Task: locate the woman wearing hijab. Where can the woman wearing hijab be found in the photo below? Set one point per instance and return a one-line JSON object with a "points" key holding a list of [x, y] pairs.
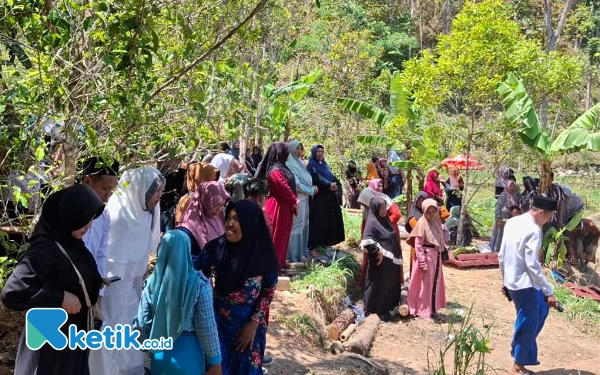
{"points": [[282, 203], [326, 221], [134, 234], [197, 173], [375, 189], [427, 292], [380, 243], [48, 276], [372, 172], [506, 200], [415, 213], [257, 156], [305, 189], [177, 302], [454, 187], [203, 220], [245, 268], [353, 179], [502, 180], [432, 185]]}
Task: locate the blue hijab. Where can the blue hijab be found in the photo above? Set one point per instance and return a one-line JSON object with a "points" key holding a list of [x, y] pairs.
{"points": [[319, 167], [173, 286]]}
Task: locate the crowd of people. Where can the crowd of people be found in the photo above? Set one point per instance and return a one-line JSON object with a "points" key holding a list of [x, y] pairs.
{"points": [[233, 227], [218, 258]]}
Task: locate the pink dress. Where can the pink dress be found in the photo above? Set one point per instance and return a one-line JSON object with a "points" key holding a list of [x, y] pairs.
{"points": [[421, 301], [279, 207]]}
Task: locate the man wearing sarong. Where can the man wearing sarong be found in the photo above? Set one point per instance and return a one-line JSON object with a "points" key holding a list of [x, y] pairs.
{"points": [[522, 276]]}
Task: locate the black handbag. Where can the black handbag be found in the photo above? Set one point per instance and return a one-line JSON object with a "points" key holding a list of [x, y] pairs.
{"points": [[445, 255]]}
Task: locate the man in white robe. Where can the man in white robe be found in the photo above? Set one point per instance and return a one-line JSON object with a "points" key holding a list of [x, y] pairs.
{"points": [[102, 178], [524, 282]]}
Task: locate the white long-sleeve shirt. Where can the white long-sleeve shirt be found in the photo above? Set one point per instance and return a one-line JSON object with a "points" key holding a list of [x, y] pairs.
{"points": [[96, 240], [518, 255]]}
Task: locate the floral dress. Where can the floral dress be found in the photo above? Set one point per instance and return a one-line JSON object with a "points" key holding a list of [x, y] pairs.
{"points": [[233, 312]]}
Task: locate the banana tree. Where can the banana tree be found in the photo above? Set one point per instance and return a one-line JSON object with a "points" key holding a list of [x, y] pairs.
{"points": [[402, 114], [558, 239], [582, 134]]}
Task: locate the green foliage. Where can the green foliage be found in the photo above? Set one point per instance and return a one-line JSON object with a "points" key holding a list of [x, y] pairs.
{"points": [[469, 346], [352, 224], [578, 309], [329, 282], [558, 239], [301, 323]]}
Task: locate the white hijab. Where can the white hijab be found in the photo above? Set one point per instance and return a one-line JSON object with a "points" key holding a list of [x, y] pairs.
{"points": [[221, 161], [134, 230]]}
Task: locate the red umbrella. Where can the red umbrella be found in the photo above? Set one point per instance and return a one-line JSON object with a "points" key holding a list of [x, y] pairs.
{"points": [[461, 161]]}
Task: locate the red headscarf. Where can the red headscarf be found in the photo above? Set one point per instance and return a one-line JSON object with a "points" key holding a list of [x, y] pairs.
{"points": [[432, 187]]}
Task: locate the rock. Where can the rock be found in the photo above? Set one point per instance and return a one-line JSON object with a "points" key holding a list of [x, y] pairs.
{"points": [[283, 284]]}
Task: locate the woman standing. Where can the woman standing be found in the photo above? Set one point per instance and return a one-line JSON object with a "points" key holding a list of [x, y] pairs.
{"points": [[375, 189], [305, 189], [380, 242], [48, 276], [427, 292], [196, 174], [502, 180], [353, 179], [282, 203], [245, 269], [432, 186], [134, 234], [177, 303], [508, 199], [203, 220], [326, 221]]}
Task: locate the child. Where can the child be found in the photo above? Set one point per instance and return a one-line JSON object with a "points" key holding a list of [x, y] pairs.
{"points": [[515, 211]]}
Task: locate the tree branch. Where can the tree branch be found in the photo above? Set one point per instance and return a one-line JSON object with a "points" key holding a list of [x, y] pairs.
{"points": [[206, 54], [562, 21]]}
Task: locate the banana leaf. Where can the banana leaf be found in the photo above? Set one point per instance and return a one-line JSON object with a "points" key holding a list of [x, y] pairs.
{"points": [[582, 134], [367, 110], [562, 253]]}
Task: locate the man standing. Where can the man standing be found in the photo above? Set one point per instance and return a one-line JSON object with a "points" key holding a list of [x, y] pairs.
{"points": [[102, 178], [523, 279]]}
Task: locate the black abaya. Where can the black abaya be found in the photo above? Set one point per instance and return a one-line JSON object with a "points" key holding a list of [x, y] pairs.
{"points": [[383, 287], [326, 224], [44, 274]]}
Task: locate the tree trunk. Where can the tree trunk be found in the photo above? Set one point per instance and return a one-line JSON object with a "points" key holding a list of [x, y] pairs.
{"points": [[364, 336], [545, 170], [460, 240], [340, 324], [408, 190], [588, 88], [347, 333]]}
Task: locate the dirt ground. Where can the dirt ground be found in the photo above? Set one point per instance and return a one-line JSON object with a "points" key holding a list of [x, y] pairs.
{"points": [[566, 347], [401, 347]]}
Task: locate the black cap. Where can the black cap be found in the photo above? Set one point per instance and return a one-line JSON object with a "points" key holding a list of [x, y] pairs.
{"points": [[544, 203], [99, 167]]}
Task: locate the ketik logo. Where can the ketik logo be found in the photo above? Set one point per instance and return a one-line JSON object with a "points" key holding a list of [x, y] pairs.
{"points": [[43, 326]]}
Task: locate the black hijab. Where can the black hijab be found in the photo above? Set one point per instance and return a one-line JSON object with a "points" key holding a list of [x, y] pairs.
{"points": [[380, 229], [254, 255], [275, 159], [66, 211]]}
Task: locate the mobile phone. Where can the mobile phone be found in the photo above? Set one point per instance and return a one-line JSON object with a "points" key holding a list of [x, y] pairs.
{"points": [[113, 279]]}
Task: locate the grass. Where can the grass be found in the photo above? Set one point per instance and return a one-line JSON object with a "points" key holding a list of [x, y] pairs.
{"points": [[578, 309], [352, 223], [301, 323], [327, 286]]}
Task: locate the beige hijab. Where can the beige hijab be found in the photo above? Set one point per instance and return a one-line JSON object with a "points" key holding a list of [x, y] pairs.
{"points": [[430, 230]]}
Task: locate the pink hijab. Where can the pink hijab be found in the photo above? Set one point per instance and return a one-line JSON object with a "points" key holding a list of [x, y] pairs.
{"points": [[195, 219]]}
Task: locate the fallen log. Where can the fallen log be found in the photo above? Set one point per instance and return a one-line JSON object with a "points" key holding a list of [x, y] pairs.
{"points": [[364, 336], [337, 347], [403, 307], [348, 332], [339, 324]]}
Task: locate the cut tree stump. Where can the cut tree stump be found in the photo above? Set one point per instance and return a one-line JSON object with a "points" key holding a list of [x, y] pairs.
{"points": [[347, 332], [339, 324], [364, 336]]}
